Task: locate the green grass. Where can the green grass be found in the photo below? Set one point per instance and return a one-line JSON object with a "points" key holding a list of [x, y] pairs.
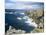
{"points": [[38, 30]]}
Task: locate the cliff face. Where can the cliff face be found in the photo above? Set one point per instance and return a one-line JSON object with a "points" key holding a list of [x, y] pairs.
{"points": [[38, 12], [37, 16]]}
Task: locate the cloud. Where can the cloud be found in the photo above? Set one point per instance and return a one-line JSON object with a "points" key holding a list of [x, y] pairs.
{"points": [[20, 6], [26, 0], [10, 6], [13, 4]]}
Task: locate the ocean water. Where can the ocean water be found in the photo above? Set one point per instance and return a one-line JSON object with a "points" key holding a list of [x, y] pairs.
{"points": [[18, 20]]}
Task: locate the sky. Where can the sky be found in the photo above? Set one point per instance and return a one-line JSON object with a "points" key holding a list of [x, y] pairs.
{"points": [[16, 4]]}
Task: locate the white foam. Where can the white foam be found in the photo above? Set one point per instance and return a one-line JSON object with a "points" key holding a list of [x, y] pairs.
{"points": [[19, 18], [29, 22], [24, 17], [22, 13], [10, 12]]}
